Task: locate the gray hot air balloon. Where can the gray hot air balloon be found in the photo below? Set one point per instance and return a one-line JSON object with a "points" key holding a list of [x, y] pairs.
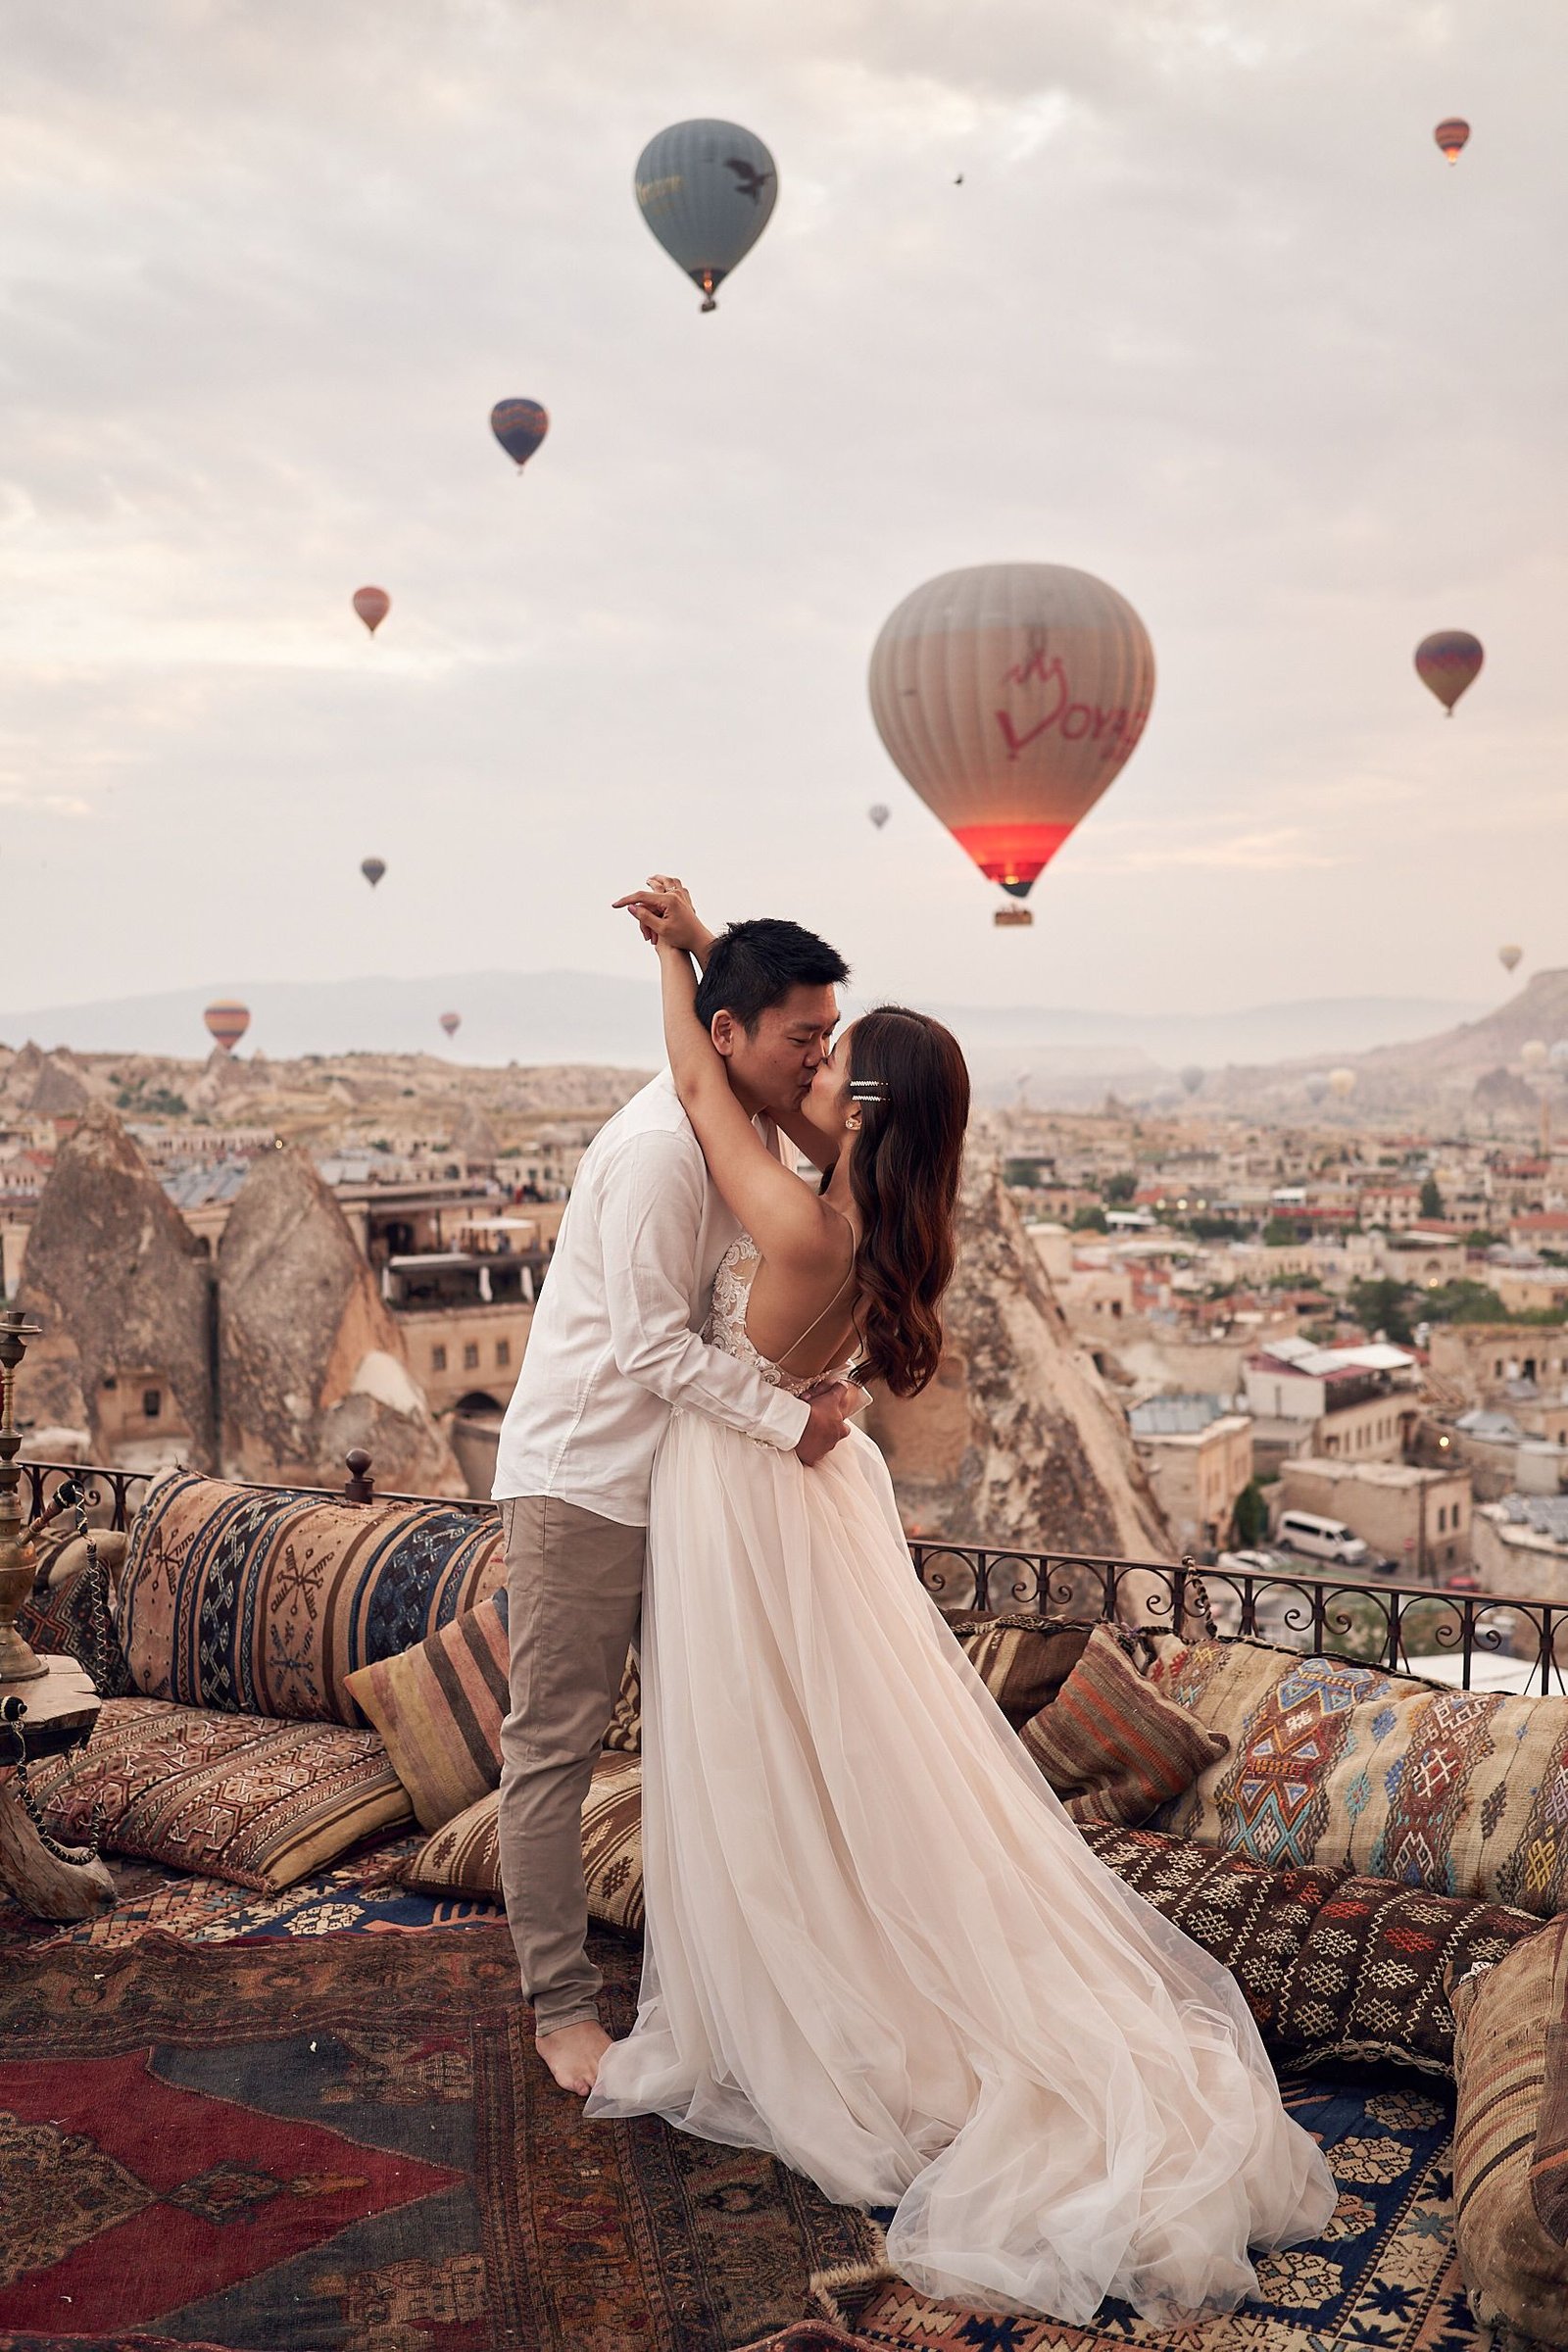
{"points": [[706, 190], [1191, 1077]]}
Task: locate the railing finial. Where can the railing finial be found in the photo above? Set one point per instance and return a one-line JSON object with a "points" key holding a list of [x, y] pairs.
{"points": [[358, 1485]]}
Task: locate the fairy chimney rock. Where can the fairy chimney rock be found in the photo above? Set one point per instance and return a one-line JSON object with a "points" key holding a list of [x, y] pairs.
{"points": [[59, 1091], [310, 1363], [121, 1286], [1018, 1439]]}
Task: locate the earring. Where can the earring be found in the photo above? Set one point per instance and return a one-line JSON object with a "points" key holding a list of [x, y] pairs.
{"points": [[852, 1126]]}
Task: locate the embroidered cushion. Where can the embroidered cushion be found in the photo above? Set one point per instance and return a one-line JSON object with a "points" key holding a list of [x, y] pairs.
{"points": [[1023, 1660], [625, 1733], [1110, 1744], [1253, 1919], [1370, 1983], [230, 1796], [1463, 1792], [440, 1707], [75, 1616], [1511, 2138], [241, 1599], [464, 1856]]}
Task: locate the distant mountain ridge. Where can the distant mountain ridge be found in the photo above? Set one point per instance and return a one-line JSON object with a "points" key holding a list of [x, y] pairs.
{"points": [[559, 1017]]}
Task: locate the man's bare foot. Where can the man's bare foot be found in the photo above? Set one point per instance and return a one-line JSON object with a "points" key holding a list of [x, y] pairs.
{"points": [[572, 2054]]}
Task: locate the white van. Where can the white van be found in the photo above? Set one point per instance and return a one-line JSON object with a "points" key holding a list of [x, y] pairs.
{"points": [[1316, 1538]]}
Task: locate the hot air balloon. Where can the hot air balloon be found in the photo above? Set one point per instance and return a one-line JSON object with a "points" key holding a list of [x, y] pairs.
{"points": [[452, 1023], [1559, 1051], [1342, 1083], [879, 813], [1448, 663], [372, 869], [519, 425], [1014, 918], [372, 605], [1011, 694], [1451, 134], [226, 1022], [1192, 1078], [1533, 1053], [705, 189], [1508, 957], [1317, 1086]]}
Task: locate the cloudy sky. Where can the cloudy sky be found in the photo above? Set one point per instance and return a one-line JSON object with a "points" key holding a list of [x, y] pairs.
{"points": [[1208, 317]]}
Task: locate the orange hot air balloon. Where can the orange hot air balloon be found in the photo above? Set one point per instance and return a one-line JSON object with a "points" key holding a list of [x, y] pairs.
{"points": [[452, 1023], [372, 605], [1446, 663], [1451, 134], [1011, 694], [226, 1022]]}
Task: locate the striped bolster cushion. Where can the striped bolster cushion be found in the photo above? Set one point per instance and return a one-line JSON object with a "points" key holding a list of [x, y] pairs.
{"points": [[1110, 1745], [1510, 2137], [439, 1708], [465, 1857]]}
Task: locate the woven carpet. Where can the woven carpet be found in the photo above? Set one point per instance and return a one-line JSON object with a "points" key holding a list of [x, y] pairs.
{"points": [[1383, 2275], [287, 2144]]}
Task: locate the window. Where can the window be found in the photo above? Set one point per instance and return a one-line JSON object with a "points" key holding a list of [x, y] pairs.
{"points": [[503, 1351], [471, 1355], [438, 1360], [152, 1403]]}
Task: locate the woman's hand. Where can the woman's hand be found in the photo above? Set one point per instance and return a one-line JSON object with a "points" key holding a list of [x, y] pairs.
{"points": [[662, 909]]}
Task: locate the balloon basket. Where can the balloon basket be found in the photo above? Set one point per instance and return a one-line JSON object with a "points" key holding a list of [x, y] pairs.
{"points": [[1014, 918]]}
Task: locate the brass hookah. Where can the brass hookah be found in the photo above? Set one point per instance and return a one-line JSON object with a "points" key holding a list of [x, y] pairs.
{"points": [[19, 1662]]}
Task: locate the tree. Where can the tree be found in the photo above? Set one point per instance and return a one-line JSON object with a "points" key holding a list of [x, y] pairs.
{"points": [[1431, 1197], [1251, 1516], [1120, 1188], [1086, 1220], [1281, 1233], [1384, 1305]]}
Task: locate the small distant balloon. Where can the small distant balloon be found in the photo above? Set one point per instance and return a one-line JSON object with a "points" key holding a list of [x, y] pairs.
{"points": [[1508, 957], [879, 813], [1559, 1051], [226, 1022], [1191, 1077], [452, 1023], [1446, 663], [1342, 1083], [372, 869], [519, 425], [372, 605], [1317, 1086], [1452, 136], [1533, 1053], [706, 190]]}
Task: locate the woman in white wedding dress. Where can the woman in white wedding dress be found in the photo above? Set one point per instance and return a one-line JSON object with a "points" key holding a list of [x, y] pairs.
{"points": [[877, 1943]]}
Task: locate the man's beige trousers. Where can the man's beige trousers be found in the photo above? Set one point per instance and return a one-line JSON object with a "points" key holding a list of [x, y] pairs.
{"points": [[574, 1585]]}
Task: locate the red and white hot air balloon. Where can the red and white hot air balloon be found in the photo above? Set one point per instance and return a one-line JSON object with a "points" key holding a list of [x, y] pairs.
{"points": [[372, 605], [226, 1022], [1011, 694]]}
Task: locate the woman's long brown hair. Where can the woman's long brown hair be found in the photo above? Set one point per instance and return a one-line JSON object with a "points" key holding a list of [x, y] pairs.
{"points": [[905, 1178]]}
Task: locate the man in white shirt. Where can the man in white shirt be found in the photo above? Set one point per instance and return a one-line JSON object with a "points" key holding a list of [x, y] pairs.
{"points": [[613, 1349]]}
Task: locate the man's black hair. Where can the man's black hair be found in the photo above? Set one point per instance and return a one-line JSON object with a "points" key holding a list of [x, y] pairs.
{"points": [[755, 965]]}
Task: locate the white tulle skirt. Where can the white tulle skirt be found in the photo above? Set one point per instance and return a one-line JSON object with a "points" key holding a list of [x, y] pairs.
{"points": [[878, 1947]]}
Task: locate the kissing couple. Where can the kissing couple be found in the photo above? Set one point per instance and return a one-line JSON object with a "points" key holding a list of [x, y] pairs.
{"points": [[877, 1945]]}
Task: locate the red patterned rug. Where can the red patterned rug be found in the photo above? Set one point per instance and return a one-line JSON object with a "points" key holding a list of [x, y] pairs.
{"points": [[347, 2140]]}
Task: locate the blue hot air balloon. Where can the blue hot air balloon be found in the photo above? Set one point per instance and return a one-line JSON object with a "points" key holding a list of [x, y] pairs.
{"points": [[706, 190], [519, 425]]}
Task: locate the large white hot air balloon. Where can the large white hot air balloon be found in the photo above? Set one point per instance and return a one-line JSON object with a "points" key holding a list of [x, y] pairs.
{"points": [[1342, 1083], [1011, 694], [1533, 1053]]}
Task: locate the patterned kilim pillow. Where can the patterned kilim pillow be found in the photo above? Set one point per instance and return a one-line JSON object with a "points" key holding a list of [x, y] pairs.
{"points": [[1511, 2138], [230, 1796], [235, 1597], [1253, 1919], [1110, 1744], [625, 1733], [465, 1857], [440, 1708], [1022, 1660], [1460, 1791], [1370, 1980], [75, 1619]]}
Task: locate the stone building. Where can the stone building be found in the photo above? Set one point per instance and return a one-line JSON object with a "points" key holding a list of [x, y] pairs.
{"points": [[1419, 1519], [1197, 1455]]}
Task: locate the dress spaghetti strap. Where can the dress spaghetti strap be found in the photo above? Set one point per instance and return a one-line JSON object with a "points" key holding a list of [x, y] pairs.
{"points": [[849, 1274]]}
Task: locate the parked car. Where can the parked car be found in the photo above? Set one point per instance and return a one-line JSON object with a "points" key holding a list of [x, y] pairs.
{"points": [[1312, 1537]]}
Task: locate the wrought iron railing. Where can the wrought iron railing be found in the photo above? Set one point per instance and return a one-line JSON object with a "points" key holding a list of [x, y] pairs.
{"points": [[1371, 1623]]}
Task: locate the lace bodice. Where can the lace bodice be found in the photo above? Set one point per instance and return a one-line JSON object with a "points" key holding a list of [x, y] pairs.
{"points": [[726, 1317]]}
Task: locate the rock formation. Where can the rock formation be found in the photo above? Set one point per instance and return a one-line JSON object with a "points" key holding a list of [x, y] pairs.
{"points": [[1018, 1440], [310, 1363], [1500, 1094], [120, 1287], [474, 1140], [59, 1091]]}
